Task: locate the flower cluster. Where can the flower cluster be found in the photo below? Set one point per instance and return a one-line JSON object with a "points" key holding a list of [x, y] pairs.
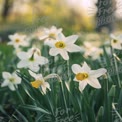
{"points": [[32, 60]]}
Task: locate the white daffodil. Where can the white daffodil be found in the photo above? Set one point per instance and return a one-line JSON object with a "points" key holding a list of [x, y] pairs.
{"points": [[10, 80], [50, 34], [92, 51], [39, 82], [63, 45], [116, 41], [31, 59], [18, 40], [84, 75]]}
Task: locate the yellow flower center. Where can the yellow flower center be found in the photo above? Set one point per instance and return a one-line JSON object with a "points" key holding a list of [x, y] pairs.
{"points": [[81, 76], [17, 40], [36, 83], [52, 35], [12, 80], [60, 44], [115, 41]]}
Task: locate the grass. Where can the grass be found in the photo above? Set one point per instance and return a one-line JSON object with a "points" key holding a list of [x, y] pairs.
{"points": [[27, 104]]}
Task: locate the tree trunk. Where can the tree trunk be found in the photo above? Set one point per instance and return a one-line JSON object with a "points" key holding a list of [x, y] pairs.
{"points": [[105, 15], [6, 8]]}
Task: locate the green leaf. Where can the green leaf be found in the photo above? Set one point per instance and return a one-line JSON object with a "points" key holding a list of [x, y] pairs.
{"points": [[32, 107]]}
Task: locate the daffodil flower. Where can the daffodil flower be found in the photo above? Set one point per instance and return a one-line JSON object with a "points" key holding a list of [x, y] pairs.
{"points": [[18, 40], [31, 59], [39, 82], [116, 41], [92, 51], [10, 80], [63, 45], [84, 75], [50, 34]]}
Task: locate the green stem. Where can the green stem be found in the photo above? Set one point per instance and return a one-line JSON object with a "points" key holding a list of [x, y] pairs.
{"points": [[68, 71], [64, 99], [116, 67]]}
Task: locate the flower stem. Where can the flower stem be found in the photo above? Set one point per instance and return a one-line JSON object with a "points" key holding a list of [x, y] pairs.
{"points": [[117, 72], [64, 98]]}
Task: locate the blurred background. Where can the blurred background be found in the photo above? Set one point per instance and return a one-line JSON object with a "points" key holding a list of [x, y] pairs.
{"points": [[74, 16]]}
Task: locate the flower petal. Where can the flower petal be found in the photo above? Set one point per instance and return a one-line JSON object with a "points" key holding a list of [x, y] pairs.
{"points": [[97, 73], [64, 54], [61, 36], [85, 67], [22, 64], [71, 39], [76, 68], [82, 85], [43, 37], [17, 78], [34, 75], [45, 86], [42, 60], [53, 52], [6, 75], [73, 48], [94, 83], [12, 87], [5, 83], [22, 55], [34, 67]]}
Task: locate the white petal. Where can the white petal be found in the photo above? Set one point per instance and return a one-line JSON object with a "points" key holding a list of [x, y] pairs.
{"points": [[12, 87], [97, 73], [73, 48], [94, 83], [82, 85], [10, 43], [18, 80], [11, 37], [53, 28], [71, 39], [5, 83], [76, 68], [75, 79], [6, 75], [43, 37], [61, 36], [50, 42], [36, 76], [59, 30], [46, 84], [45, 87], [120, 37], [22, 64], [42, 60], [22, 55], [113, 36], [53, 52], [34, 67], [117, 45], [32, 74], [64, 54], [85, 67]]}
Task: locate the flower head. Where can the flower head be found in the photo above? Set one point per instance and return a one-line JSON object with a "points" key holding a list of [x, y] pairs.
{"points": [[18, 40], [31, 59], [84, 75], [63, 45], [10, 80], [116, 41], [39, 82], [50, 34], [92, 51]]}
